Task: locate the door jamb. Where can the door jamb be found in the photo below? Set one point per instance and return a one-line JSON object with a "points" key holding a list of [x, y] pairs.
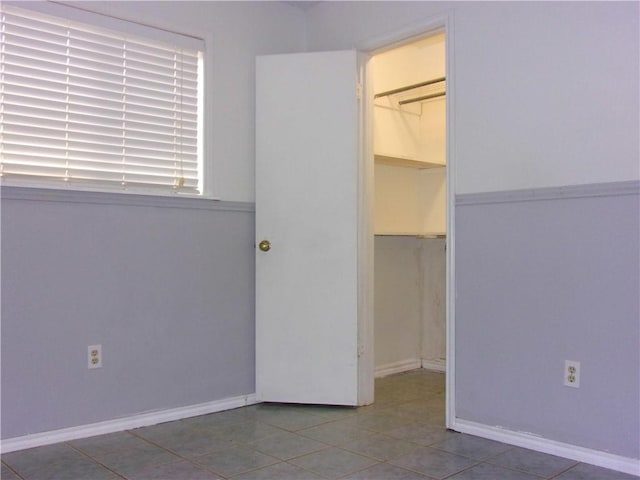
{"points": [[372, 46]]}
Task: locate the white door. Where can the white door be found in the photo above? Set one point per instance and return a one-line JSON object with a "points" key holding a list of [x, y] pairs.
{"points": [[308, 119]]}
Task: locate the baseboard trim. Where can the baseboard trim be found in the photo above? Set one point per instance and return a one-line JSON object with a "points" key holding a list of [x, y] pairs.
{"points": [[121, 424], [539, 444], [397, 367], [436, 365]]}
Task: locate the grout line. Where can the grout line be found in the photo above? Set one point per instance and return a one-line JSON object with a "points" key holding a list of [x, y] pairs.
{"points": [[564, 471], [181, 457], [94, 460], [6, 465]]}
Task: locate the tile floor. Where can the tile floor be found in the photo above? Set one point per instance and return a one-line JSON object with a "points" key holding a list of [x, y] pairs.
{"points": [[400, 437]]}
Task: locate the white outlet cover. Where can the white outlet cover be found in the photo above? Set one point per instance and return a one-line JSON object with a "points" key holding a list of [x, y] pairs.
{"points": [[572, 373], [94, 356]]}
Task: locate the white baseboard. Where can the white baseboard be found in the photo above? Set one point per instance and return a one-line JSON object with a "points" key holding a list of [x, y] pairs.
{"points": [[126, 423], [397, 367], [539, 444], [435, 364]]}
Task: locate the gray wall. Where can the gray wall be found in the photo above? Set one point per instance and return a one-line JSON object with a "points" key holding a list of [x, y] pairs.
{"points": [[538, 283], [434, 301], [398, 290], [166, 291], [409, 309]]}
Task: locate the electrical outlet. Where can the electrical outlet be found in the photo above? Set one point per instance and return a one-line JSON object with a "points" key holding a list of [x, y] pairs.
{"points": [[95, 356], [572, 373]]}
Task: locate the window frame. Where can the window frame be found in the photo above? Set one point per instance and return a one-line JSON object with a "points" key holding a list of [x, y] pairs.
{"points": [[101, 21]]}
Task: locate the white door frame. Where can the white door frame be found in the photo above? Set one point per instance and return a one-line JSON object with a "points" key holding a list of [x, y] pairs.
{"points": [[372, 46]]}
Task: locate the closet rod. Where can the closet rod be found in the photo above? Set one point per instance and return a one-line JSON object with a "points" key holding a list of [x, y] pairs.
{"points": [[409, 87], [420, 99]]}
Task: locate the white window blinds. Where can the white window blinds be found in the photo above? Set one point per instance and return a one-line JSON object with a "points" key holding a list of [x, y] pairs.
{"points": [[91, 108]]}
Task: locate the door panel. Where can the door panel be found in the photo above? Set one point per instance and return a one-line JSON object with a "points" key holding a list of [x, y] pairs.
{"points": [[307, 157]]}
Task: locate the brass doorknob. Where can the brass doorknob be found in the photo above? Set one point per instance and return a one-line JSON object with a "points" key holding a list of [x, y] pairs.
{"points": [[264, 245]]}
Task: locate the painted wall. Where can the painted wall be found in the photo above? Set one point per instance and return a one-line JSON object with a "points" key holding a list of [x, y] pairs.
{"points": [[433, 128], [406, 65], [410, 272], [168, 292], [397, 207], [433, 347], [432, 197], [164, 290], [531, 109], [398, 300], [539, 282], [409, 301], [411, 201]]}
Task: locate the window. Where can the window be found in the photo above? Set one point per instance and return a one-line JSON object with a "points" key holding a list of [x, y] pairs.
{"points": [[93, 108]]}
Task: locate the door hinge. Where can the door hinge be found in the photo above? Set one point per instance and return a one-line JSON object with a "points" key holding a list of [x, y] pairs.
{"points": [[360, 350], [359, 91]]}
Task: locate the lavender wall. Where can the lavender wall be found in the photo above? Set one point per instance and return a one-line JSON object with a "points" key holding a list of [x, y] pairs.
{"points": [[166, 291], [544, 281]]}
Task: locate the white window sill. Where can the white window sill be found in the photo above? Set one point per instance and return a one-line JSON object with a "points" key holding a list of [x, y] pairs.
{"points": [[128, 199]]}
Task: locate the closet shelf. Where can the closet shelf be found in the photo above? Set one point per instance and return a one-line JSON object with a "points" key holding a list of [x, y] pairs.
{"points": [[400, 161], [428, 235]]}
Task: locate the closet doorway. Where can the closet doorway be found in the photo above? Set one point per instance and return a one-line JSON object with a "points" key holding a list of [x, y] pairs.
{"points": [[410, 210]]}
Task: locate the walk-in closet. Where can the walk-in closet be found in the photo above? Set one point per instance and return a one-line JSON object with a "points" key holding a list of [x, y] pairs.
{"points": [[410, 206]]}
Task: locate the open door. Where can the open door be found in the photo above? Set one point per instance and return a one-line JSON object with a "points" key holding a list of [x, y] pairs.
{"points": [[308, 201]]}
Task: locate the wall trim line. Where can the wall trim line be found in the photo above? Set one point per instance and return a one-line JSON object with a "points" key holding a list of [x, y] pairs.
{"points": [[125, 423], [609, 189], [121, 198], [552, 447]]}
